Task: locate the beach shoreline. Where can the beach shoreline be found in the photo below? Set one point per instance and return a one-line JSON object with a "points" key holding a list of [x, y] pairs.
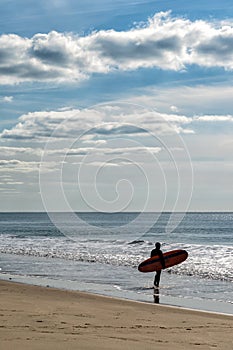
{"points": [[143, 294], [33, 317]]}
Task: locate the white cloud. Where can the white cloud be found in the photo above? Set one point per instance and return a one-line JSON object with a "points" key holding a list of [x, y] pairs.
{"points": [[192, 100], [163, 42], [94, 125], [11, 183], [41, 124], [7, 99], [174, 109], [101, 121], [18, 165], [6, 151], [214, 118], [130, 125]]}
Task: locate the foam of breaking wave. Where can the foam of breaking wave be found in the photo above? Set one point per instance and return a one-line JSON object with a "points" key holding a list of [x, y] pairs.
{"points": [[205, 261]]}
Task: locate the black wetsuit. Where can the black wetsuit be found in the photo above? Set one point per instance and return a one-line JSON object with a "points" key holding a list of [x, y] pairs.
{"points": [[158, 273]]}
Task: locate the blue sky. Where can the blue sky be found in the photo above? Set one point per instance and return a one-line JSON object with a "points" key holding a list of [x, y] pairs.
{"points": [[162, 67]]}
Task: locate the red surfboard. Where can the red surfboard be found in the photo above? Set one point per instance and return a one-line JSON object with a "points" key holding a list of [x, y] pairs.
{"points": [[174, 257]]}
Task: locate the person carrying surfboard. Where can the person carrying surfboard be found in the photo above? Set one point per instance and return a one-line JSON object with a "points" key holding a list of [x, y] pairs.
{"points": [[158, 251]]}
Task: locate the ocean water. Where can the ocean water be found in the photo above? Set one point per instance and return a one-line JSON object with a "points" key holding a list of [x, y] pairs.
{"points": [[100, 253]]}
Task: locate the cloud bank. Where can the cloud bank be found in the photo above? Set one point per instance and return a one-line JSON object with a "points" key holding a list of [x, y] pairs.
{"points": [[163, 42], [94, 124]]}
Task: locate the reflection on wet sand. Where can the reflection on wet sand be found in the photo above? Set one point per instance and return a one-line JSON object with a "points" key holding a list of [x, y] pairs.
{"points": [[156, 295]]}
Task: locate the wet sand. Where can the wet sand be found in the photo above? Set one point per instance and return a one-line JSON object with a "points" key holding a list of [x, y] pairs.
{"points": [[33, 317]]}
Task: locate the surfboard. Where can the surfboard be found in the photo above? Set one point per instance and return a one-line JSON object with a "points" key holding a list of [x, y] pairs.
{"points": [[174, 257]]}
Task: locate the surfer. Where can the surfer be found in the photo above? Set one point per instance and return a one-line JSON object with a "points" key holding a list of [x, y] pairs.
{"points": [[158, 251]]}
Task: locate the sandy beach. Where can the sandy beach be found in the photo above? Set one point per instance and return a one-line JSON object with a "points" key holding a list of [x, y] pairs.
{"points": [[34, 317]]}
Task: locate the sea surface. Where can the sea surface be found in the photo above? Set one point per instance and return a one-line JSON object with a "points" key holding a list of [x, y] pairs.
{"points": [[100, 253]]}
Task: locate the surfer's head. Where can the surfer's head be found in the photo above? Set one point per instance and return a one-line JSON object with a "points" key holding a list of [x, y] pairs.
{"points": [[157, 245]]}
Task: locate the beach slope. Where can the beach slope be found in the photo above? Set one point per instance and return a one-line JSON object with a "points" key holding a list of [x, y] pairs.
{"points": [[44, 318]]}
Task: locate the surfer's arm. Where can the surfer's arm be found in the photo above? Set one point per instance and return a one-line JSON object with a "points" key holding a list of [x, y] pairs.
{"points": [[153, 253], [162, 259]]}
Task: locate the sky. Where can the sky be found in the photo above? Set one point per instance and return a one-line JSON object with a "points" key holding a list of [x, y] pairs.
{"points": [[116, 105]]}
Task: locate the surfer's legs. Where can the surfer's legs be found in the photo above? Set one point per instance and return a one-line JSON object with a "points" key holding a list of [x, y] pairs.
{"points": [[157, 278], [156, 295]]}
